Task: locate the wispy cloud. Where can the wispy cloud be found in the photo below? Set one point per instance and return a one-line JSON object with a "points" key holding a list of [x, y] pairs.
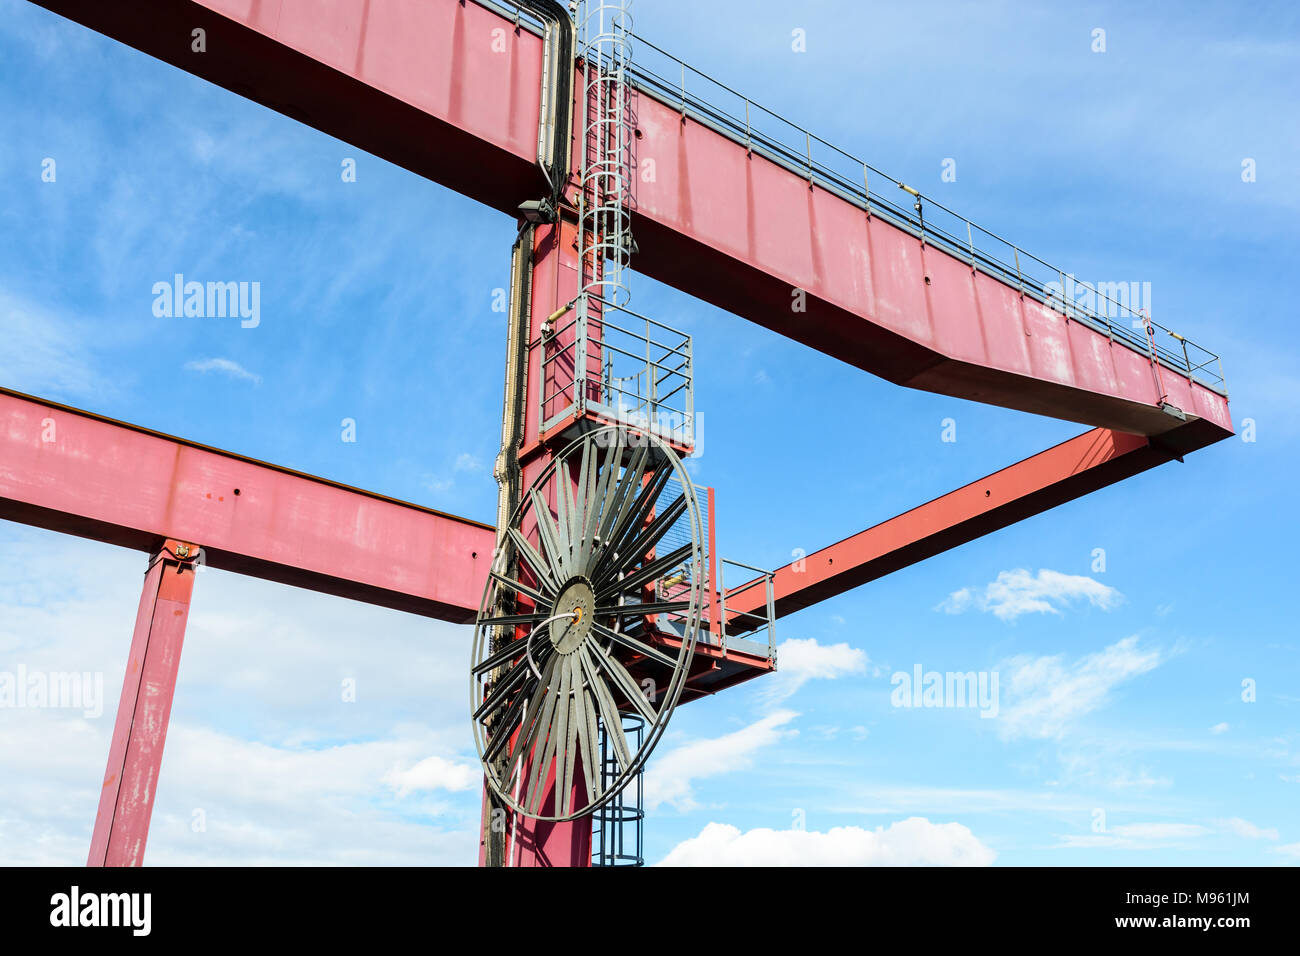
{"points": [[45, 351], [1244, 828], [670, 776], [1018, 592], [1046, 695], [225, 367], [1136, 836]]}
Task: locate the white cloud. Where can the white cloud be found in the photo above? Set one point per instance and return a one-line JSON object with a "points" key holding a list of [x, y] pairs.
{"points": [[1244, 828], [283, 768], [911, 842], [1018, 592], [800, 660], [1221, 728], [225, 367], [45, 352], [1159, 831], [433, 773], [1135, 836], [1046, 696], [1289, 849], [669, 776], [1139, 780], [911, 799]]}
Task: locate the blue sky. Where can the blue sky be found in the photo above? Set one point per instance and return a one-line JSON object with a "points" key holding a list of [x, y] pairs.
{"points": [[1124, 696]]}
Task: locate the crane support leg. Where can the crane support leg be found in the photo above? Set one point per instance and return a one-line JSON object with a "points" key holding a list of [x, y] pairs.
{"points": [[135, 754]]}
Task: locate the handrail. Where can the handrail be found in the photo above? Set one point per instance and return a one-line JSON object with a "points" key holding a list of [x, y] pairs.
{"points": [[765, 621], [1050, 284], [857, 181]]}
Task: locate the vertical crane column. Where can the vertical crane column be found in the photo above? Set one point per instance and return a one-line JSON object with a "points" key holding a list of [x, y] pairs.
{"points": [[545, 281], [583, 252]]}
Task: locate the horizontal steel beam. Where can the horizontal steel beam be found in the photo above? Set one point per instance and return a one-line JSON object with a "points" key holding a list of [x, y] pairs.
{"points": [[71, 471], [1062, 473], [451, 90]]}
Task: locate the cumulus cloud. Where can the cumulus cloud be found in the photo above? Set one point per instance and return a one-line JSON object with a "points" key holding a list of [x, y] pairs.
{"points": [[1018, 592], [1046, 695], [911, 842], [225, 367], [1220, 728], [433, 773], [669, 776], [800, 660]]}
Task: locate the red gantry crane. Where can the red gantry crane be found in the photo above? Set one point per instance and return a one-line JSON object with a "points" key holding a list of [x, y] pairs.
{"points": [[599, 600]]}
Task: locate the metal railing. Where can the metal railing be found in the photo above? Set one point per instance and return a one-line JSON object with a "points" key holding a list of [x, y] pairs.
{"points": [[620, 366], [693, 93], [763, 131], [734, 626]]}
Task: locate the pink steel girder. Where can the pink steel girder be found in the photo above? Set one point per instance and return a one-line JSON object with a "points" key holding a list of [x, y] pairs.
{"points": [[1074, 468], [74, 472], [417, 82], [140, 730], [71, 471]]}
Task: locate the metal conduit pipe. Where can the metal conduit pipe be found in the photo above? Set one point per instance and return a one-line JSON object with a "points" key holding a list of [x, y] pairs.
{"points": [[557, 91], [506, 469]]}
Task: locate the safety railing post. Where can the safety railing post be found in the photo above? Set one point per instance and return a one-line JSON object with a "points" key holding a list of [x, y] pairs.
{"points": [[771, 617], [722, 611], [690, 393], [580, 356]]}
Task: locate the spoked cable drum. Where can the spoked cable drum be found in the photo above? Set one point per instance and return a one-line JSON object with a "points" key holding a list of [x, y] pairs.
{"points": [[584, 618]]}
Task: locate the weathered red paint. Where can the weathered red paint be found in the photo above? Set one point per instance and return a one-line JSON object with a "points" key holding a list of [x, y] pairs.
{"points": [[71, 471], [135, 754], [449, 90]]}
